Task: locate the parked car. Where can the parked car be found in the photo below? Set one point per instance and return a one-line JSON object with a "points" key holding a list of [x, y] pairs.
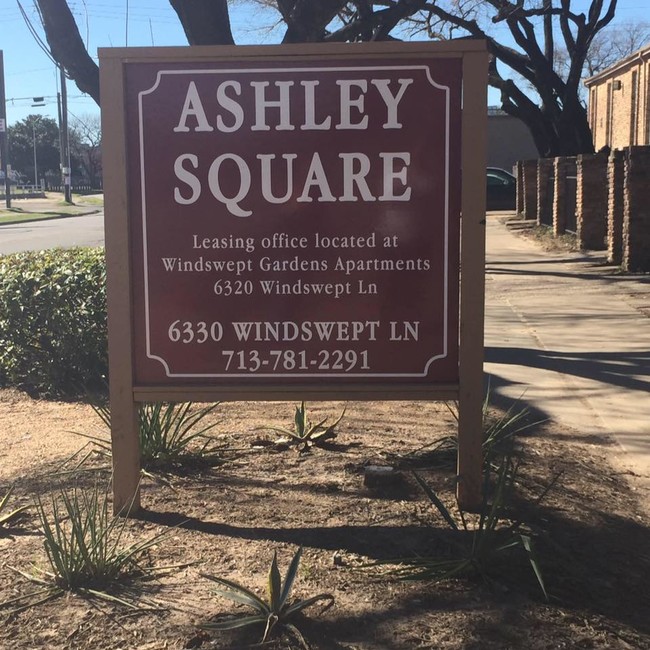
{"points": [[501, 189]]}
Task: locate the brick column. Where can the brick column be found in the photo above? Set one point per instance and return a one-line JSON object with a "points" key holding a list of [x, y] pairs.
{"points": [[530, 189], [615, 178], [592, 201], [519, 176], [636, 214], [544, 191], [559, 196]]}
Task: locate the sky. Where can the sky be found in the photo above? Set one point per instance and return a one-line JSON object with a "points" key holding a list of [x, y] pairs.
{"points": [[29, 73]]}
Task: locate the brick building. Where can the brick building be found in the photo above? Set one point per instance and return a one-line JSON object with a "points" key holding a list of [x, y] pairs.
{"points": [[619, 102], [508, 140]]}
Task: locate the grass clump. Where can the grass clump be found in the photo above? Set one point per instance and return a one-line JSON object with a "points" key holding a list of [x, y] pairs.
{"points": [[274, 614], [305, 434]]}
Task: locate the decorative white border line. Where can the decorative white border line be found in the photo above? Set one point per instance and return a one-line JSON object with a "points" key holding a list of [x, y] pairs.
{"points": [[164, 363]]}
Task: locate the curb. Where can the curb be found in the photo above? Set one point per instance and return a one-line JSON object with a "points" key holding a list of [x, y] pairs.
{"points": [[49, 218]]}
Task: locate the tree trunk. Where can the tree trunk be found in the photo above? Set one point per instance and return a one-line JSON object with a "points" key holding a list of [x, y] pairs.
{"points": [[307, 19], [205, 22]]}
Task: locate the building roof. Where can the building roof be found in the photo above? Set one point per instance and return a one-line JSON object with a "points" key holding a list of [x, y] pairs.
{"points": [[640, 55]]}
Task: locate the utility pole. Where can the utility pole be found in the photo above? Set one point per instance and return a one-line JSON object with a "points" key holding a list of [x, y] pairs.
{"points": [[3, 132], [36, 185], [65, 141]]}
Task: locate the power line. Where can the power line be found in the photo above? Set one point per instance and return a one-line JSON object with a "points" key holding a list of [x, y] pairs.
{"points": [[37, 38]]}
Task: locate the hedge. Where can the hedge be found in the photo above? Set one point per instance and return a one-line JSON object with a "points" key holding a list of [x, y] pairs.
{"points": [[53, 337]]}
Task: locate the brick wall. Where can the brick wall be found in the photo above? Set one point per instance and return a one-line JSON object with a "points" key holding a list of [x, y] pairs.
{"points": [[636, 213], [609, 209], [615, 178], [592, 195]]}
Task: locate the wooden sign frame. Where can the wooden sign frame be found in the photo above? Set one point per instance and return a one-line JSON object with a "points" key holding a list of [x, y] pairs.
{"points": [[126, 395]]}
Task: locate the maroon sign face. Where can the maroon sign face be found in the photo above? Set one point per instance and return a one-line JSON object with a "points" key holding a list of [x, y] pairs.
{"points": [[295, 221]]}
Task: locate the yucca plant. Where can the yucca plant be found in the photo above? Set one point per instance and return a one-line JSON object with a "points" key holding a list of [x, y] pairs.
{"points": [[498, 436], [499, 433], [306, 434], [175, 432], [273, 614], [170, 434], [478, 546], [86, 549], [9, 517]]}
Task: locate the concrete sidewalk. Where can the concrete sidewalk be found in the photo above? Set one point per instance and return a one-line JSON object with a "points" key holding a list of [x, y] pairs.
{"points": [[573, 336]]}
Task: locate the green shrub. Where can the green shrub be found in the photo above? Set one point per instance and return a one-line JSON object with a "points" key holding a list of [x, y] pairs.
{"points": [[53, 339]]}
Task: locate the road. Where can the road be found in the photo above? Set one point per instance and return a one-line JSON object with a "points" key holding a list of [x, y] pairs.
{"points": [[85, 230]]}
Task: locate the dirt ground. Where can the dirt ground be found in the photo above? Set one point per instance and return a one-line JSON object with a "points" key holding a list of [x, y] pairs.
{"points": [[591, 537]]}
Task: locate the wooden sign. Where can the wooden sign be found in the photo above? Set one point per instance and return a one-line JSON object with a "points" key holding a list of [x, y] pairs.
{"points": [[285, 222]]}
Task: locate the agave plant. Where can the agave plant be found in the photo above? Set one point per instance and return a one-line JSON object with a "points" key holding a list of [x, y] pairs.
{"points": [[7, 516], [306, 434], [272, 614]]}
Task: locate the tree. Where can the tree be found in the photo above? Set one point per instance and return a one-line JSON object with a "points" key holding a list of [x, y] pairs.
{"points": [[35, 132], [614, 44], [85, 146], [608, 47], [554, 113]]}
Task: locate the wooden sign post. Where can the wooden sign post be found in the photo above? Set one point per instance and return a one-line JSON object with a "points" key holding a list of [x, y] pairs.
{"points": [[284, 222]]}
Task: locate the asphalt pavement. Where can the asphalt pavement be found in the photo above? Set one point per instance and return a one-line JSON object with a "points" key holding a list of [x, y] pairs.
{"points": [[81, 224]]}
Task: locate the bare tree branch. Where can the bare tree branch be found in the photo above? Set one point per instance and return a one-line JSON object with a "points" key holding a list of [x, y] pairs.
{"points": [[559, 124]]}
